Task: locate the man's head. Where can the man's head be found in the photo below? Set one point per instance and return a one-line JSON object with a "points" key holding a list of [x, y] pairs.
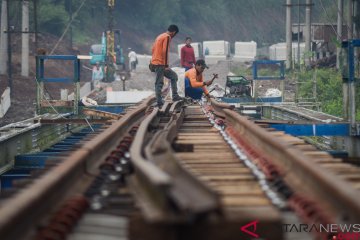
{"points": [[188, 41], [173, 30], [200, 65]]}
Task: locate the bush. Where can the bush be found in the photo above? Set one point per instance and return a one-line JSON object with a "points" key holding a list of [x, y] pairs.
{"points": [[329, 90], [52, 19]]}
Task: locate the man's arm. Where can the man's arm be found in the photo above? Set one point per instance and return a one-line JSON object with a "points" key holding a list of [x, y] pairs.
{"points": [[165, 50], [193, 82]]}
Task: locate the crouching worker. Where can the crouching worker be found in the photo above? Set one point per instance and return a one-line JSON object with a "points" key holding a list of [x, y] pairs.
{"points": [[195, 85]]}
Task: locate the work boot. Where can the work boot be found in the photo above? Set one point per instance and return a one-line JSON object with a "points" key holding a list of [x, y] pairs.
{"points": [[160, 104], [177, 98]]}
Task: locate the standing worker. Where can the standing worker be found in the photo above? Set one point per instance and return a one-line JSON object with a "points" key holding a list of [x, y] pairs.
{"points": [[97, 76], [187, 55], [195, 85], [132, 60], [160, 64]]}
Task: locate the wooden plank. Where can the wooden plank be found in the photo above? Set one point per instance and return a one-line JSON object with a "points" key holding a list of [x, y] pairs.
{"points": [[56, 103], [240, 191], [204, 130], [200, 137], [211, 161], [228, 177], [202, 141], [245, 201], [103, 114], [72, 121], [212, 165], [221, 171]]}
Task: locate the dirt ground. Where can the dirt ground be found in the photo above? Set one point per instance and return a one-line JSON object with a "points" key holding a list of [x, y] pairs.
{"points": [[24, 89]]}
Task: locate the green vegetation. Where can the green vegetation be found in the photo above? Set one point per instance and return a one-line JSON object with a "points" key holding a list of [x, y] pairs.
{"points": [[258, 20], [242, 71], [328, 90], [328, 87], [52, 19]]}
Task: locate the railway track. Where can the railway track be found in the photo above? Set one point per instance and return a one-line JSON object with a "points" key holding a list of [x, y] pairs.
{"points": [[50, 206], [185, 171]]}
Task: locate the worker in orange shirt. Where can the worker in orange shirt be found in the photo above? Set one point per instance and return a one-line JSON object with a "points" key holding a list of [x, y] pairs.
{"points": [[195, 85], [160, 64]]}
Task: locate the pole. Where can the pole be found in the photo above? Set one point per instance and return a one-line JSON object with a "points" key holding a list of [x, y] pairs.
{"points": [[35, 24], [308, 33], [339, 30], [298, 37], [70, 30], [9, 50], [288, 35], [25, 39], [351, 90], [3, 38], [350, 19]]}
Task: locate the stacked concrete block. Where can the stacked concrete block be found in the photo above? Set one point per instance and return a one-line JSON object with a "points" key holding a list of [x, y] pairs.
{"points": [[85, 90], [215, 51], [5, 102], [143, 61], [278, 51], [214, 59], [217, 48], [197, 49], [126, 96], [181, 80], [245, 51]]}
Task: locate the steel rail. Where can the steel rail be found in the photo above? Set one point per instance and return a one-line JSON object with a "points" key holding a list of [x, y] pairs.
{"points": [[218, 107], [171, 193], [306, 113], [27, 208], [300, 172], [188, 194]]}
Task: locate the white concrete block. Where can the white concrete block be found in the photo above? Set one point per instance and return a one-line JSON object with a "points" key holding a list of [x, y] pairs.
{"points": [[245, 51], [278, 51], [5, 102], [217, 47], [210, 59], [197, 49], [126, 96], [84, 91], [143, 61], [64, 94], [181, 80]]}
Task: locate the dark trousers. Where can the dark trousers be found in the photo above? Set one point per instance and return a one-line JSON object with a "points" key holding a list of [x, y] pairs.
{"points": [[194, 93], [159, 82]]}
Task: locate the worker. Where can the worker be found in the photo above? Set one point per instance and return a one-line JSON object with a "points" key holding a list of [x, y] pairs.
{"points": [[207, 51], [160, 64], [195, 85], [97, 76], [187, 55], [132, 60]]}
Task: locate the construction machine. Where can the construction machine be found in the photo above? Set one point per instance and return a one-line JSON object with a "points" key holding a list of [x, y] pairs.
{"points": [[110, 53]]}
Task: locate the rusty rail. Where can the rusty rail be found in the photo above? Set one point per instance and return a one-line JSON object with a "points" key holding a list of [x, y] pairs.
{"points": [[168, 192], [29, 207], [219, 107], [298, 170], [344, 200]]}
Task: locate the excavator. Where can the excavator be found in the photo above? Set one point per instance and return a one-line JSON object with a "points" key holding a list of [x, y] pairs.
{"points": [[110, 53], [100, 52]]}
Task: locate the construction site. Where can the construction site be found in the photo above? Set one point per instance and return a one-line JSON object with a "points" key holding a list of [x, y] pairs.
{"points": [[92, 149]]}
